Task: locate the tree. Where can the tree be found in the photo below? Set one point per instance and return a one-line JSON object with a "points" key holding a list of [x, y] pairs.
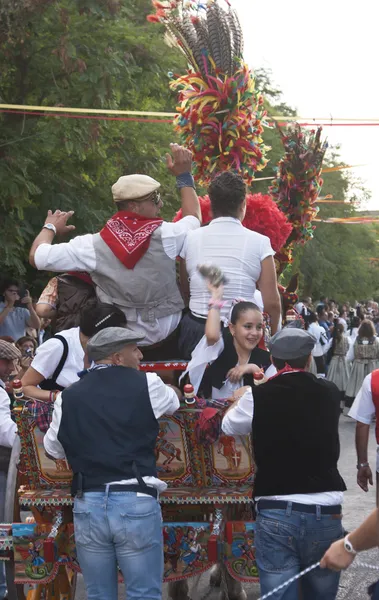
{"points": [[86, 53]]}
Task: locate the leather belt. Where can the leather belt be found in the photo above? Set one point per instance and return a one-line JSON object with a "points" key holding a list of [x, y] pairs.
{"points": [[298, 507]]}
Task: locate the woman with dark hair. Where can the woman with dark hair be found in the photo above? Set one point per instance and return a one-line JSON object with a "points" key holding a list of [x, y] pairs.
{"points": [[231, 353], [365, 356], [59, 359], [339, 368]]}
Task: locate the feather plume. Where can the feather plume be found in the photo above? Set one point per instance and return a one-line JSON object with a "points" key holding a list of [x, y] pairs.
{"points": [[220, 113], [213, 25]]}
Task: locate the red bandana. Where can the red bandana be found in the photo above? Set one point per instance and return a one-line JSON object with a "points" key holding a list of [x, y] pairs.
{"points": [[287, 369], [128, 236]]}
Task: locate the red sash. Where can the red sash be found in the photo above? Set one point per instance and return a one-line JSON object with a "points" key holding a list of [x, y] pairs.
{"points": [[375, 398], [128, 236]]}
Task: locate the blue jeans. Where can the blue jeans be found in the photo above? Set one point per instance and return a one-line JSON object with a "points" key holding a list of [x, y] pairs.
{"points": [[119, 529], [288, 542]]}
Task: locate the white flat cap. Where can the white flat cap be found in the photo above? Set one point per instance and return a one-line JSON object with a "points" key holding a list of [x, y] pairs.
{"points": [[134, 187]]}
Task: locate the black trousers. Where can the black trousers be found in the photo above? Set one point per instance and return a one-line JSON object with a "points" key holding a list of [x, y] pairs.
{"points": [[320, 364], [191, 330]]}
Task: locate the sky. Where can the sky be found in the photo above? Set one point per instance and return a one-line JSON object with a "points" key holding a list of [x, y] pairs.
{"points": [[324, 57]]}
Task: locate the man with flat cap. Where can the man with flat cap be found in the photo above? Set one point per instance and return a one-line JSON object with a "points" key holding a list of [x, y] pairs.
{"points": [[293, 419], [132, 259], [106, 426]]}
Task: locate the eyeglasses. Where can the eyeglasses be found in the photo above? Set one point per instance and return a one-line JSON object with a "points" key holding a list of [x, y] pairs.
{"points": [[156, 198]]}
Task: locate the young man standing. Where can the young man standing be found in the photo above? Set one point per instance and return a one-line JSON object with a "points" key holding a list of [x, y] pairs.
{"points": [[106, 425], [298, 490]]}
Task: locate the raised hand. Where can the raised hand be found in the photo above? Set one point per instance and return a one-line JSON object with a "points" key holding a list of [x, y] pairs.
{"points": [[59, 218], [179, 161]]}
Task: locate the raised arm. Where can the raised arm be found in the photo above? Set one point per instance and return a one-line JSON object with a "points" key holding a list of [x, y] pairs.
{"points": [[179, 163], [58, 221], [268, 286], [213, 322]]}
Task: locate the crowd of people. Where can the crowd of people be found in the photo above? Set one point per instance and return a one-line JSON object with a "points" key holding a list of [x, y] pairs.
{"points": [[78, 349]]}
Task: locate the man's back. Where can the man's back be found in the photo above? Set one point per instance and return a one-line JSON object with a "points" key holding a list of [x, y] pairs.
{"points": [[237, 251], [295, 435]]}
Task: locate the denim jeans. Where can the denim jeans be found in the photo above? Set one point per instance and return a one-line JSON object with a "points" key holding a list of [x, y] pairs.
{"points": [[288, 542], [3, 482], [119, 529]]}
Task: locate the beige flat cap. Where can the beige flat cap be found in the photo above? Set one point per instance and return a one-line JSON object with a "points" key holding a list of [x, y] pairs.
{"points": [[134, 187]]}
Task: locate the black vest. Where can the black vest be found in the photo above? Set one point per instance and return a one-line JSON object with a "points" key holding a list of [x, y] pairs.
{"points": [[295, 436], [108, 428], [215, 374]]}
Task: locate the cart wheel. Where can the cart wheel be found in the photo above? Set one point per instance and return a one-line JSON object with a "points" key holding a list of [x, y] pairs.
{"points": [[12, 515]]}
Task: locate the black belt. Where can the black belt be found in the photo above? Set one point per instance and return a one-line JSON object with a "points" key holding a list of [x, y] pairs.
{"points": [[298, 507], [150, 491]]}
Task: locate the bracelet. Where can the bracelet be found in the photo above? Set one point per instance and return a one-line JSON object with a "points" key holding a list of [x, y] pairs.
{"points": [[218, 304], [52, 397], [349, 546], [363, 465], [185, 180], [50, 227]]}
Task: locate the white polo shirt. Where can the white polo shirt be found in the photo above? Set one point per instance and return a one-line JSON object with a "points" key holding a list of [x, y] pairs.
{"points": [[236, 250]]}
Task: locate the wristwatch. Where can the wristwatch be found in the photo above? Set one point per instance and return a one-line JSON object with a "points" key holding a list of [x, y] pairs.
{"points": [[363, 465], [349, 546], [50, 227]]}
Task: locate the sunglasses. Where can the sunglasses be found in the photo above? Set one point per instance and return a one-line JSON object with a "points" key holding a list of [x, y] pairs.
{"points": [[156, 198]]}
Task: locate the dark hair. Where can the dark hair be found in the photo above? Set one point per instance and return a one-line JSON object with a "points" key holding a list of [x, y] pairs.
{"points": [[227, 193], [312, 317], [355, 322], [96, 316], [240, 308], [295, 363], [7, 284], [366, 330], [26, 338], [123, 205]]}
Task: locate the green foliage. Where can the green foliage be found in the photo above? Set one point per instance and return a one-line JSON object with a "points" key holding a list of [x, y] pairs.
{"points": [[103, 54], [77, 54]]}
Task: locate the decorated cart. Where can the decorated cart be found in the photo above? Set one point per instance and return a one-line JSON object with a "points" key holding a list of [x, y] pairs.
{"points": [[207, 512]]}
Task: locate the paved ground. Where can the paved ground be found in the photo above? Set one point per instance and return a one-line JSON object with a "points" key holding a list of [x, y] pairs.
{"points": [[357, 506]]}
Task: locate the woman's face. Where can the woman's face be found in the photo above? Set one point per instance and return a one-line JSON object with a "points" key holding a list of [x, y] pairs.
{"points": [[248, 329]]}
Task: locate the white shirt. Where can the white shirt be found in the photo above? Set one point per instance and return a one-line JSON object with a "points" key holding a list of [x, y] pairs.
{"points": [[50, 352], [363, 409], [319, 334], [164, 401], [8, 428], [201, 357], [237, 251], [238, 421], [79, 255]]}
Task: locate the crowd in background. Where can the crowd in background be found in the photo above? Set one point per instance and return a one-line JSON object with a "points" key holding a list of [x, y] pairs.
{"points": [[347, 342]]}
